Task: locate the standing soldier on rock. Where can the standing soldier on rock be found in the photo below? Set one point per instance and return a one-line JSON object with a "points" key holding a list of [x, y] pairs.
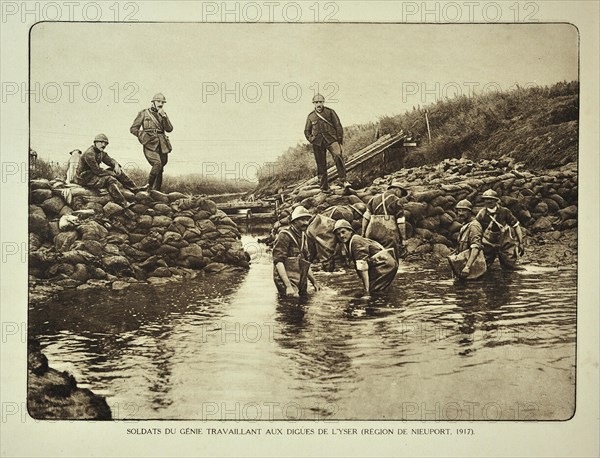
{"points": [[291, 266], [384, 219], [500, 227], [324, 131], [149, 127], [90, 174]]}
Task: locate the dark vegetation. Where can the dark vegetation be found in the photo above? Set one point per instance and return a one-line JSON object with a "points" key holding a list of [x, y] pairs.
{"points": [[536, 125]]}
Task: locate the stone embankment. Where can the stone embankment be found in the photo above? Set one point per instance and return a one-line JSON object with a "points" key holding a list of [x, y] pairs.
{"points": [[54, 395], [545, 202], [79, 237]]}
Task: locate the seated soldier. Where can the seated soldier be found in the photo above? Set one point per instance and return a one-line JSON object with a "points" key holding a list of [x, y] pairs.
{"points": [[90, 174]]}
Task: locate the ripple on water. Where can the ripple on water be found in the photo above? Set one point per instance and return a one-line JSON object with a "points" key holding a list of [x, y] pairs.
{"points": [[169, 349]]}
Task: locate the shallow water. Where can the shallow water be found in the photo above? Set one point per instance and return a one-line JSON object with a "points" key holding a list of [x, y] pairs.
{"points": [[223, 346]]}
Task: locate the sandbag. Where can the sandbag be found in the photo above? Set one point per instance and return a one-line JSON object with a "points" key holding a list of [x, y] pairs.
{"points": [[458, 261], [320, 233]]}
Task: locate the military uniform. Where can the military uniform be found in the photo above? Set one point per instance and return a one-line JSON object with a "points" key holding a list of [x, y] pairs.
{"points": [[498, 239], [386, 212], [150, 127], [369, 255], [470, 236], [325, 132], [90, 174], [291, 249]]}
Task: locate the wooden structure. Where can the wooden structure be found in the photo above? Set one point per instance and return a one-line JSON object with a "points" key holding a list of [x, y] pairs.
{"points": [[369, 152]]}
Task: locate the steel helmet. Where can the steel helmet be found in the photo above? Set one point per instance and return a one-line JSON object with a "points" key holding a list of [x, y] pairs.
{"points": [[300, 212], [398, 185], [465, 205], [159, 98], [490, 194], [101, 138], [342, 224], [318, 98]]}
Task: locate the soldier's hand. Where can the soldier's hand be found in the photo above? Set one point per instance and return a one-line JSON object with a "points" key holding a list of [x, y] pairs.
{"points": [[465, 272], [162, 112], [117, 169], [290, 291], [521, 249]]}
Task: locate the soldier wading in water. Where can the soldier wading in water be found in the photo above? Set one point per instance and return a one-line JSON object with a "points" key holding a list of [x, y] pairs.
{"points": [[375, 265], [291, 266]]}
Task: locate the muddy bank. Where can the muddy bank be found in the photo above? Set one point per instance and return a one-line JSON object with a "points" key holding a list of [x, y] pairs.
{"points": [[80, 238], [545, 202], [54, 395]]}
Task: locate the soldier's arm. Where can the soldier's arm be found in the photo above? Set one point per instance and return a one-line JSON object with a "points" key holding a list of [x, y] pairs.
{"points": [[308, 129], [90, 159], [338, 127], [166, 123], [137, 123], [110, 161], [400, 219]]}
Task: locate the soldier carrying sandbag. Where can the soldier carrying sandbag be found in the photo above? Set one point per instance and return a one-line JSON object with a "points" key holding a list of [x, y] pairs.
{"points": [[467, 261]]}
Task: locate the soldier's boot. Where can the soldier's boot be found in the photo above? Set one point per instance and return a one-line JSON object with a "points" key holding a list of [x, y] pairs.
{"points": [[117, 195], [158, 182]]}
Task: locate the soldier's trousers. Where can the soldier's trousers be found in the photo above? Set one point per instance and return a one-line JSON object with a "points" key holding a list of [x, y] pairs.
{"points": [[505, 252], [157, 161], [321, 158]]}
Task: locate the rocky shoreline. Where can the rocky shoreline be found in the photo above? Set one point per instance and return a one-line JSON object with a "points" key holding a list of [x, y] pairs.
{"points": [[80, 238], [54, 395]]}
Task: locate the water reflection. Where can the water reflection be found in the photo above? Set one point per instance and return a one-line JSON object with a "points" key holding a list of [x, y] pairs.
{"points": [[173, 349]]}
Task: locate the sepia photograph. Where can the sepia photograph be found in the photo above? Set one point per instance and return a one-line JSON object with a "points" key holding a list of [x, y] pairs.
{"points": [[234, 230], [257, 219]]}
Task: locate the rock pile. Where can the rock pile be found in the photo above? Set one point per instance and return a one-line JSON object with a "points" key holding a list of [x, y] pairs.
{"points": [[54, 395], [545, 202], [79, 235]]}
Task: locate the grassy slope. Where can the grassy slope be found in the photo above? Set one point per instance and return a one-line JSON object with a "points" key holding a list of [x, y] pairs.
{"points": [[537, 126]]}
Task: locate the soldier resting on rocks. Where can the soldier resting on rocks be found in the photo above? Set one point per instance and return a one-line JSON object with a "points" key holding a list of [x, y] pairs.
{"points": [[91, 175]]}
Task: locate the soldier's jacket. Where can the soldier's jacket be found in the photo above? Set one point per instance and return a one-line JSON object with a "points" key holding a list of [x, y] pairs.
{"points": [[320, 132], [89, 165], [150, 127], [470, 236]]}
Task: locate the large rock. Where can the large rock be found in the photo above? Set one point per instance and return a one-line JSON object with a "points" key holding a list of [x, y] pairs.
{"points": [[568, 212], [543, 224], [53, 205], [111, 209], [64, 241], [185, 221], [117, 265], [159, 196], [91, 230], [161, 221], [38, 196], [206, 226], [162, 209]]}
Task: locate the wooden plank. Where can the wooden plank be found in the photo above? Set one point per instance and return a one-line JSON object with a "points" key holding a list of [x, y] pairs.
{"points": [[332, 171]]}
